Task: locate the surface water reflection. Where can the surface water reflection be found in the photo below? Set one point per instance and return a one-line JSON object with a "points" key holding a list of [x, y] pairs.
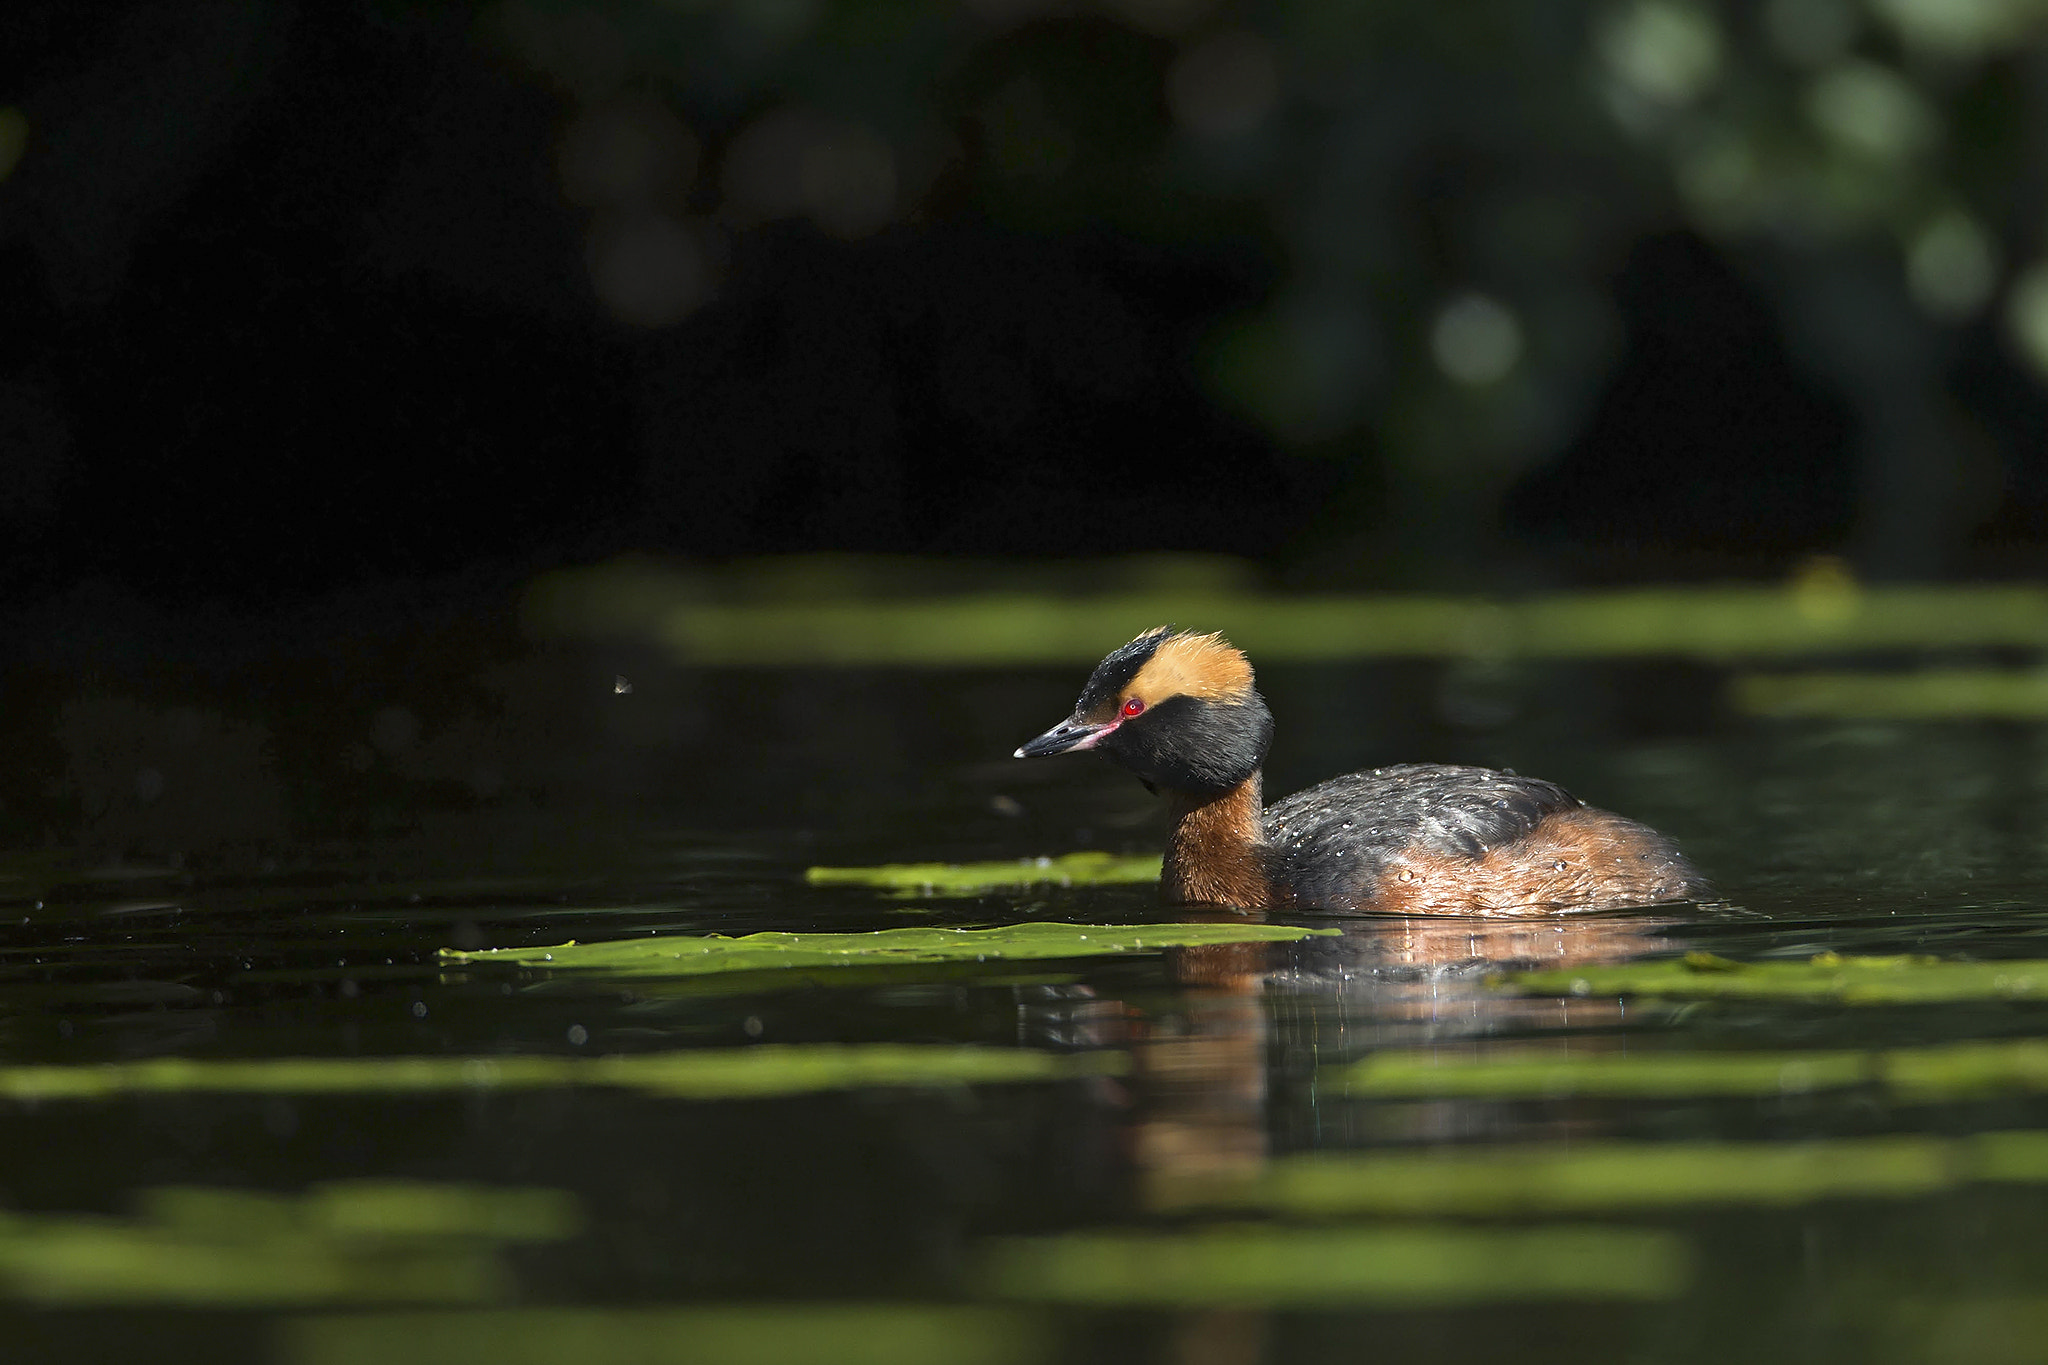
{"points": [[1191, 1177]]}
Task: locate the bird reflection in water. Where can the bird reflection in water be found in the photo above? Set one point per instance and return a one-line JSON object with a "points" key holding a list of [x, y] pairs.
{"points": [[1224, 1068]]}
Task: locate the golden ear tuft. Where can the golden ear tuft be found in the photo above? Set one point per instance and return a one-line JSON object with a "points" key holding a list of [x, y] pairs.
{"points": [[1187, 664]]}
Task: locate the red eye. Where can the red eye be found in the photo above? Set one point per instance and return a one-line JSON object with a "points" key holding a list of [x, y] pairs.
{"points": [[1133, 707]]}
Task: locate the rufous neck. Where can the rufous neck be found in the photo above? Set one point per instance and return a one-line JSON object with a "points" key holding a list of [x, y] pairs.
{"points": [[1216, 853]]}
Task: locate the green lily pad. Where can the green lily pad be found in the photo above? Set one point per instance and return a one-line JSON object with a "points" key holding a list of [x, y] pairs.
{"points": [[1966, 1068], [765, 1334], [1613, 1175], [1251, 1267], [1925, 694], [346, 1242], [967, 879], [684, 956], [1538, 1074], [1913, 1073], [722, 1073], [369, 1208], [812, 617], [1828, 976], [1609, 1176], [880, 976]]}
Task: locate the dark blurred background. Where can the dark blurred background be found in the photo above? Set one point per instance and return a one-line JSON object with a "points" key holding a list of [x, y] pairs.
{"points": [[301, 297], [330, 326]]}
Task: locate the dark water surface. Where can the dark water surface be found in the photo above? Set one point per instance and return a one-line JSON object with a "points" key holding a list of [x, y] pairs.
{"points": [[271, 877]]}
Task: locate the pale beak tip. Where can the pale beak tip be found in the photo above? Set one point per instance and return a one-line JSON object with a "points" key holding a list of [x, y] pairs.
{"points": [[1019, 753]]}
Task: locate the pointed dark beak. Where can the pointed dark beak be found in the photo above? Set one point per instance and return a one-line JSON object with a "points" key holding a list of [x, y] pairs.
{"points": [[1069, 735]]}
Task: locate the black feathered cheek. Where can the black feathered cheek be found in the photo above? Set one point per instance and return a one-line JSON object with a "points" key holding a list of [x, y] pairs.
{"points": [[1191, 745]]}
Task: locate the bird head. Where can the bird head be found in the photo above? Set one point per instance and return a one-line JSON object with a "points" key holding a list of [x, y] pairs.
{"points": [[1176, 708]]}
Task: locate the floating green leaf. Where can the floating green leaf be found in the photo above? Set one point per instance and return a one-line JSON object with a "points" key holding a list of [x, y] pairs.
{"points": [[966, 879], [1647, 1072], [1966, 1068], [377, 1208], [724, 1073], [1953, 1069], [347, 1242], [1925, 694], [878, 976], [812, 618], [768, 1334], [2020, 1157], [1610, 1176], [1301, 1267], [681, 956], [1828, 976]]}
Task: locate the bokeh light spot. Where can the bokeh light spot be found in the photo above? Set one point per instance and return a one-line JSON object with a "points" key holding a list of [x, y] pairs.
{"points": [[619, 154], [1871, 109], [1951, 266], [1825, 591], [793, 163], [2026, 313], [1959, 29], [1224, 86], [1476, 340], [1720, 179], [1810, 32], [648, 269], [1667, 52], [1303, 368]]}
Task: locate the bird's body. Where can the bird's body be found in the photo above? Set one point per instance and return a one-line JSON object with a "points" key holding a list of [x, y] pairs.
{"points": [[1180, 710]]}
